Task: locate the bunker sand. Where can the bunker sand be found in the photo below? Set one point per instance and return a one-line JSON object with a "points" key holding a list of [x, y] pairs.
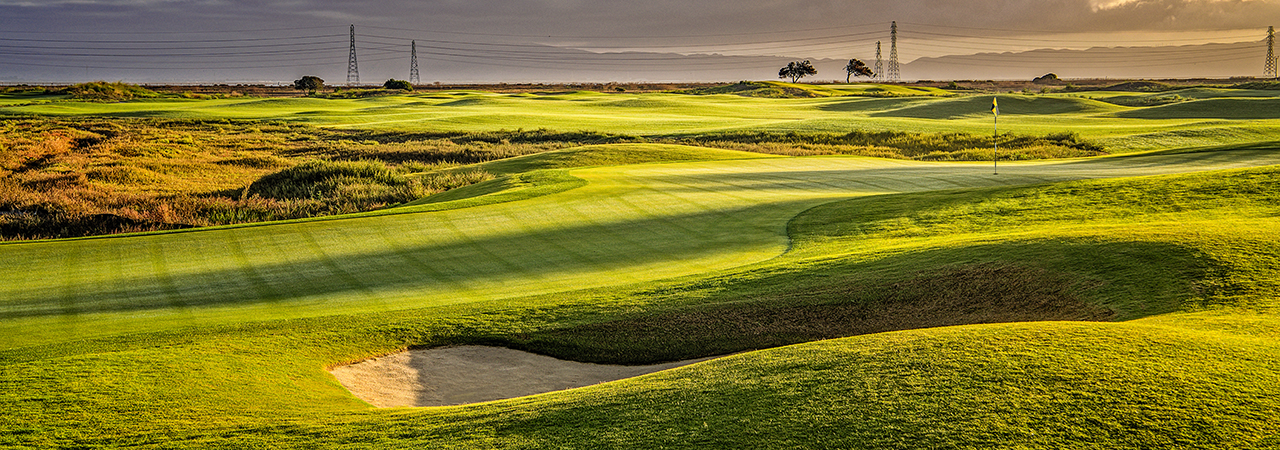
{"points": [[473, 374]]}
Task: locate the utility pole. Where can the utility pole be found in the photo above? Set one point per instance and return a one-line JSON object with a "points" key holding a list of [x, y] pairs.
{"points": [[353, 70], [879, 64], [413, 63], [894, 75], [1270, 70]]}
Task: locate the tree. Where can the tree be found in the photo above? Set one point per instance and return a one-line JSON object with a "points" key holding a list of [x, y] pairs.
{"points": [[797, 70], [397, 84], [857, 68], [309, 83]]}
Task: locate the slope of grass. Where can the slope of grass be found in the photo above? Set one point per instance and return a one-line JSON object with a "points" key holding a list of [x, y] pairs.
{"points": [[1050, 384], [629, 224], [778, 89], [168, 371], [1013, 105], [218, 337], [611, 155], [1214, 108]]}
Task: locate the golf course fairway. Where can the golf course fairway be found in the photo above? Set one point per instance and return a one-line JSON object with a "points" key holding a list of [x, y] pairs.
{"points": [[1122, 301]]}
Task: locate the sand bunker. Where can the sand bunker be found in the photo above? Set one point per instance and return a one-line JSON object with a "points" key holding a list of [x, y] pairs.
{"points": [[471, 374]]}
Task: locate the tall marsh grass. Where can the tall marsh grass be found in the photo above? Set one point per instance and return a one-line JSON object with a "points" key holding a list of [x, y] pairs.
{"points": [[81, 177]]}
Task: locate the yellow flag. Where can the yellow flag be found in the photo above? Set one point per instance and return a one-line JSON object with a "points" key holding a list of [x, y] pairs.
{"points": [[995, 107]]}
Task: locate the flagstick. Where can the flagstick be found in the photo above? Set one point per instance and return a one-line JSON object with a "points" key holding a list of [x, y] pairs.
{"points": [[995, 142]]}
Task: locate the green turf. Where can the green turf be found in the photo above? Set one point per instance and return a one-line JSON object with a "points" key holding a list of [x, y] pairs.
{"points": [[638, 253], [627, 224], [1208, 117]]}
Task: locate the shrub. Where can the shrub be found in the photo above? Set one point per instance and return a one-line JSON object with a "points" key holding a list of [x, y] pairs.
{"points": [[321, 179], [104, 91], [397, 84]]}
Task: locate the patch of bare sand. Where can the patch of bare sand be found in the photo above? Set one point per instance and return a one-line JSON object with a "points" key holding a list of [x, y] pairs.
{"points": [[473, 374]]}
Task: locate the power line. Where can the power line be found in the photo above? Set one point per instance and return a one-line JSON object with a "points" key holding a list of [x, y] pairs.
{"points": [[679, 36], [1018, 64], [1008, 30], [842, 38], [265, 52], [185, 41], [186, 32]]}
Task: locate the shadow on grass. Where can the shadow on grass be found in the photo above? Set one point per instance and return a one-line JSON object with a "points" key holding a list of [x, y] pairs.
{"points": [[1217, 108], [405, 264], [1079, 280], [1009, 105]]}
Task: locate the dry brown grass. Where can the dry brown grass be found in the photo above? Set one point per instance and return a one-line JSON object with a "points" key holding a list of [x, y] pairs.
{"points": [[81, 177]]}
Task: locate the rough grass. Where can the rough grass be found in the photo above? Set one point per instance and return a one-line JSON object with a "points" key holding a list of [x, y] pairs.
{"points": [[84, 177], [1203, 379], [107, 92]]}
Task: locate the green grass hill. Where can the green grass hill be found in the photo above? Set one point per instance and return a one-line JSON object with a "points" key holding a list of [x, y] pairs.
{"points": [[1124, 301]]}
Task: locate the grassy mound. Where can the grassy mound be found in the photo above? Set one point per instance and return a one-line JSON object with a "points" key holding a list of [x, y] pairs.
{"points": [[1215, 108], [1259, 85], [1139, 86], [904, 145], [108, 92], [611, 155], [778, 89], [1012, 105], [1051, 385]]}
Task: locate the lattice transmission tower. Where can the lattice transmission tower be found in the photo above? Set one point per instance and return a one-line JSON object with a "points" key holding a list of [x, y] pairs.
{"points": [[353, 70], [1270, 70], [413, 63], [879, 64], [894, 75]]}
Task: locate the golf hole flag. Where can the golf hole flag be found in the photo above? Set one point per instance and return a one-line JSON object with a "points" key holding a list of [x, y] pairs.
{"points": [[995, 136]]}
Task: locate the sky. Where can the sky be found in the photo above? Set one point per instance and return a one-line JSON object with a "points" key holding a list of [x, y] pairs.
{"points": [[545, 40]]}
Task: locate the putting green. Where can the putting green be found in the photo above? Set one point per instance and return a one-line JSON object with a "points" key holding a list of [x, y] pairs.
{"points": [[627, 224]]}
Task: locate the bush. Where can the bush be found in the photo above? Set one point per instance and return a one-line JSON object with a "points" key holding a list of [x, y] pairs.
{"points": [[322, 179], [397, 84], [104, 91]]}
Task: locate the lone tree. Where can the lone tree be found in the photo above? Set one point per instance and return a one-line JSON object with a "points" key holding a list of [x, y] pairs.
{"points": [[397, 84], [309, 83], [856, 69], [797, 70]]}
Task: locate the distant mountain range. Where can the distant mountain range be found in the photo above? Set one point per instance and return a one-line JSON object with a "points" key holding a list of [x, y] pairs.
{"points": [[1192, 61], [561, 65]]}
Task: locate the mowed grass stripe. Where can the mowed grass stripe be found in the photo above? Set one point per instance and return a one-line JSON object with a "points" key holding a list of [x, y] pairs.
{"points": [[160, 270], [746, 223]]}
